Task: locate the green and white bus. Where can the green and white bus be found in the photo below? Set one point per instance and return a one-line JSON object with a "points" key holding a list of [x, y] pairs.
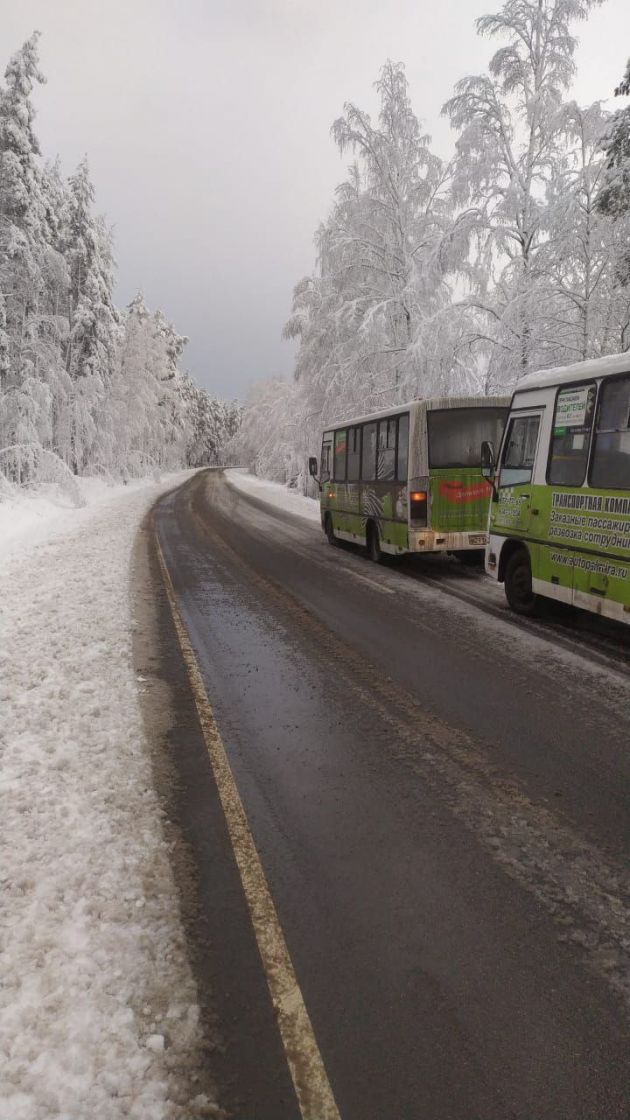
{"points": [[559, 523], [408, 479]]}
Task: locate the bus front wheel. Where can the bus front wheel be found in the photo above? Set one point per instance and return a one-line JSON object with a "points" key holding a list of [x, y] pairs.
{"points": [[374, 549], [518, 583]]}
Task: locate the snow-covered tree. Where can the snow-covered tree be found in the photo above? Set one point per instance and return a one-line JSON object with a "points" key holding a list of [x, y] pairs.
{"points": [[587, 304], [93, 334], [210, 425], [614, 199], [382, 244], [137, 392], [266, 439], [78, 380], [366, 320], [509, 148], [25, 403]]}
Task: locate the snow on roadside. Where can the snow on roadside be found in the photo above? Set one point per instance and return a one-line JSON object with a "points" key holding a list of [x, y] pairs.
{"points": [[274, 494], [28, 516], [98, 1011]]}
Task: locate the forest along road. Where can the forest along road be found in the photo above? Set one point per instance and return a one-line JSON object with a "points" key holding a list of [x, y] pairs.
{"points": [[439, 800]]}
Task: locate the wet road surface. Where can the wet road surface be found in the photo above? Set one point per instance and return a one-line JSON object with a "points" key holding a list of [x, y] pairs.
{"points": [[439, 798]]}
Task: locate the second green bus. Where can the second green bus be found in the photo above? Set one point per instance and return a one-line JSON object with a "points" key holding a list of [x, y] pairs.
{"points": [[408, 479]]}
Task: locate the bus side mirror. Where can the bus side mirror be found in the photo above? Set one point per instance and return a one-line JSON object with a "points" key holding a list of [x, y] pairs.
{"points": [[489, 466], [487, 460], [312, 467]]}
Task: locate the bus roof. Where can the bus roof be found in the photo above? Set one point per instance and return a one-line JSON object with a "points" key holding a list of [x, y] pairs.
{"points": [[579, 371], [428, 403]]}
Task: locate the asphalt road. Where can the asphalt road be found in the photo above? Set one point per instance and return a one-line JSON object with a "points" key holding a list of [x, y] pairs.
{"points": [[439, 798]]}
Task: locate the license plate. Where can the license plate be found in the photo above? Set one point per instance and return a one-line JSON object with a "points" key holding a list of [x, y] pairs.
{"points": [[477, 538]]}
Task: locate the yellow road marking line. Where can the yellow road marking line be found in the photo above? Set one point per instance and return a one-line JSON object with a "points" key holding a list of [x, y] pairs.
{"points": [[312, 1088]]}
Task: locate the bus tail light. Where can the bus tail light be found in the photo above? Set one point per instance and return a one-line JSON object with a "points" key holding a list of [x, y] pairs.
{"points": [[418, 505]]}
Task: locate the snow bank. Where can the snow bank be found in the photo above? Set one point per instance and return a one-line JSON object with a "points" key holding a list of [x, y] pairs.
{"points": [[28, 516], [274, 494], [98, 1011]]}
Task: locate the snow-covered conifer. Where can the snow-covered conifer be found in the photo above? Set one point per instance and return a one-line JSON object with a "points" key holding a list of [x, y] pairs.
{"points": [[74, 382], [93, 319], [22, 246]]}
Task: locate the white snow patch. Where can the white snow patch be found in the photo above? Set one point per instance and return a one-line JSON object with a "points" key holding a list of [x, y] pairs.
{"points": [[97, 1002], [274, 494], [28, 516]]}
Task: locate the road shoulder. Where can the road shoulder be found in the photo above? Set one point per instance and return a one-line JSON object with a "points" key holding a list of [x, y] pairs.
{"points": [[243, 1052]]}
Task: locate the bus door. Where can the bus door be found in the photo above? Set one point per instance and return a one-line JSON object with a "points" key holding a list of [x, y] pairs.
{"points": [[515, 513]]}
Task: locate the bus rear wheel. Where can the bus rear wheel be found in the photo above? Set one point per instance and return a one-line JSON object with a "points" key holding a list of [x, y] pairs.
{"points": [[374, 549], [518, 583]]}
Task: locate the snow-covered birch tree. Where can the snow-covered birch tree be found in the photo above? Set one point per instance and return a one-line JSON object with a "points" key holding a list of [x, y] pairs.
{"points": [[366, 320], [582, 257], [509, 148]]}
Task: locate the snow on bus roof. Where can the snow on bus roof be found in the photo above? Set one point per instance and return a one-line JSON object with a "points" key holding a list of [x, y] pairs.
{"points": [[430, 403], [579, 371]]}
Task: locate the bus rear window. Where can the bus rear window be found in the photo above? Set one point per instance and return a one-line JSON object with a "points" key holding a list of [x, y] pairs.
{"points": [[456, 435]]}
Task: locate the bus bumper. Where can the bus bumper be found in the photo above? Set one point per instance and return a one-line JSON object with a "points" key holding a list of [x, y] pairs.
{"points": [[428, 540]]}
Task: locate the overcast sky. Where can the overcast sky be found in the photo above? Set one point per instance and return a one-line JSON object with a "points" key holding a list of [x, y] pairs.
{"points": [[207, 122]]}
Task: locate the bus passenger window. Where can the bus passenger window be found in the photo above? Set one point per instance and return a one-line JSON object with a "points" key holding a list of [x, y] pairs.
{"points": [[368, 462], [610, 467], [386, 459], [340, 456], [354, 454], [520, 450], [571, 439], [403, 448]]}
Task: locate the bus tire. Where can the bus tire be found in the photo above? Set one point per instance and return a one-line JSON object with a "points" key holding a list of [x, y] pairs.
{"points": [[518, 584], [374, 549], [329, 531]]}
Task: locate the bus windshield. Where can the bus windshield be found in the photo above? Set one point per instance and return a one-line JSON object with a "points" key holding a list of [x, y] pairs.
{"points": [[456, 435]]}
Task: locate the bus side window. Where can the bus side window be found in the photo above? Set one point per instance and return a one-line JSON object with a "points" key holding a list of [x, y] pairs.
{"points": [[403, 448], [340, 455], [520, 450], [610, 467], [368, 462], [386, 459], [354, 454], [571, 439]]}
